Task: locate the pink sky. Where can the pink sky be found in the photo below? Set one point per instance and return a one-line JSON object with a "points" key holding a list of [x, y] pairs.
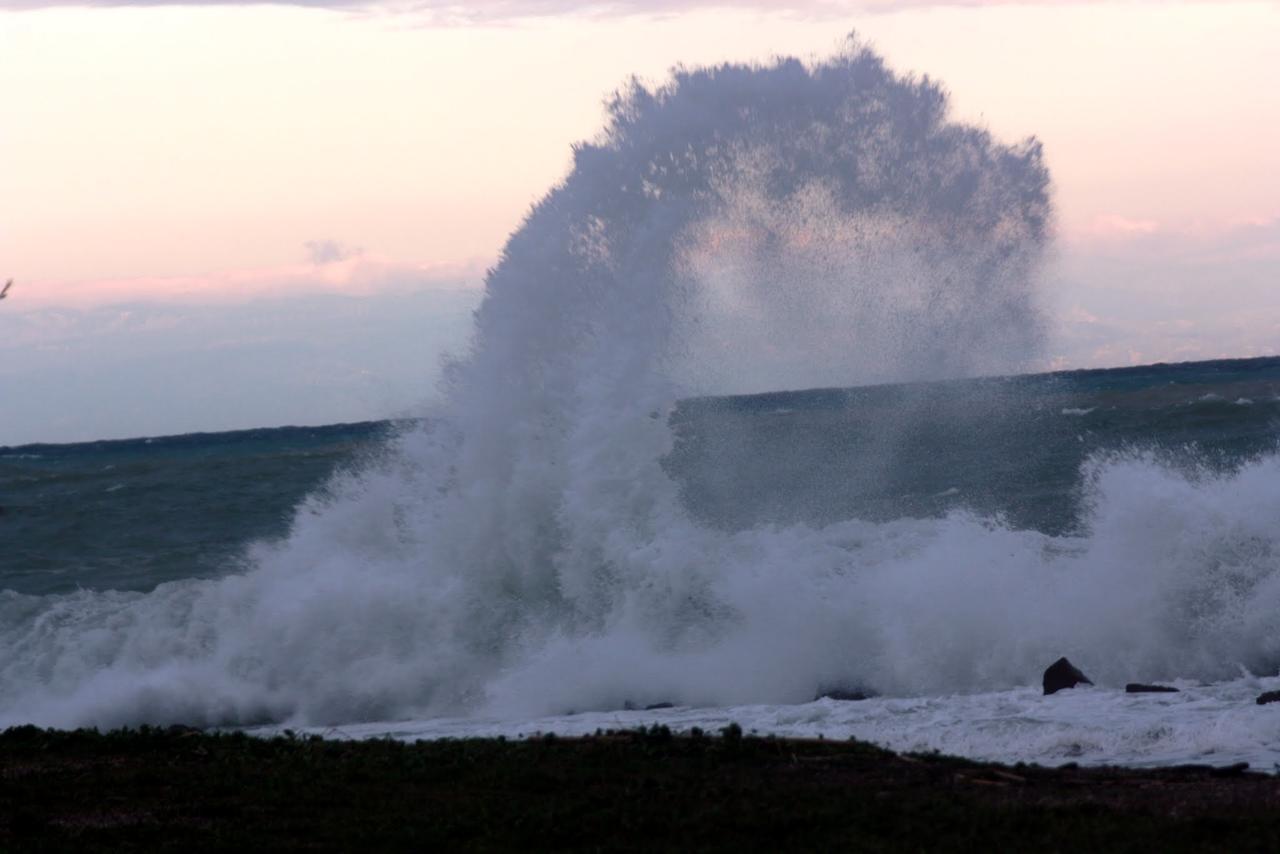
{"points": [[203, 153]]}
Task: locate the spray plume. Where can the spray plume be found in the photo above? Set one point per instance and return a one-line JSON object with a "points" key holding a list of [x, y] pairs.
{"points": [[778, 225]]}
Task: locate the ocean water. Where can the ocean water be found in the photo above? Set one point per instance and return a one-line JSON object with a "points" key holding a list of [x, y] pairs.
{"points": [[135, 513], [612, 504], [1171, 466]]}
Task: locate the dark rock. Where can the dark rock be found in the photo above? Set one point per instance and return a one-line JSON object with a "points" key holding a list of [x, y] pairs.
{"points": [[1235, 770], [1269, 697], [629, 706], [1063, 674], [1139, 688], [845, 694]]}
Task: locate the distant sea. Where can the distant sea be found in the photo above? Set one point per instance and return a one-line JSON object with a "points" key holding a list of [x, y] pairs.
{"points": [[130, 514], [133, 513]]}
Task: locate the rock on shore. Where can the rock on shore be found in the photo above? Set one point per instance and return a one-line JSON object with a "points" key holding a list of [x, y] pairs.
{"points": [[1063, 674]]}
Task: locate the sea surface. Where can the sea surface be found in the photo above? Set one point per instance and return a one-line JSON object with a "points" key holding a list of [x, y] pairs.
{"points": [[134, 513], [1021, 455], [130, 514]]}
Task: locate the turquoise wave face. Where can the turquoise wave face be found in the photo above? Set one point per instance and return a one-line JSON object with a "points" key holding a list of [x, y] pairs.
{"points": [[130, 515]]}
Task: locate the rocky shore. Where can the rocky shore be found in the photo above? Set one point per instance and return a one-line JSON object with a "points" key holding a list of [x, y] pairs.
{"points": [[157, 789]]}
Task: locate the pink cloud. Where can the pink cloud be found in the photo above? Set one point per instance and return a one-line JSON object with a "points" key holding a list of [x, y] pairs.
{"points": [[1244, 238], [1198, 290], [1113, 226], [357, 274], [1078, 314], [454, 12]]}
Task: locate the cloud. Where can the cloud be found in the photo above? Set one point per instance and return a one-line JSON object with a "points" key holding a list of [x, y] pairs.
{"points": [[1235, 245], [1169, 295], [332, 269], [28, 5], [328, 251], [149, 368], [452, 12], [1114, 226]]}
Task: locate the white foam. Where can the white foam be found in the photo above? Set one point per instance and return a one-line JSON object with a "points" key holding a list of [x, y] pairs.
{"points": [[1216, 724], [529, 555]]}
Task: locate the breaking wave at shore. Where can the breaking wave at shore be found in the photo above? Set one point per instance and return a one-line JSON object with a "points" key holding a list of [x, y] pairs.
{"points": [[741, 228]]}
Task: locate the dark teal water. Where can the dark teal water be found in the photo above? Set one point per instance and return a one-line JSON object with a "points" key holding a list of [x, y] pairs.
{"points": [[1011, 447], [132, 514]]}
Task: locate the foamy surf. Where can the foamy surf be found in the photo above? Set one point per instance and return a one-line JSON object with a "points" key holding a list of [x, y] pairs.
{"points": [[529, 553], [1218, 724]]}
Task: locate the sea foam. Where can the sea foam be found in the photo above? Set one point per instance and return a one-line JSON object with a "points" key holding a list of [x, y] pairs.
{"points": [[525, 553]]}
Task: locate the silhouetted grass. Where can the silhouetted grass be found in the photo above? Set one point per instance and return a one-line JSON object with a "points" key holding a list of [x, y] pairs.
{"points": [[153, 789]]}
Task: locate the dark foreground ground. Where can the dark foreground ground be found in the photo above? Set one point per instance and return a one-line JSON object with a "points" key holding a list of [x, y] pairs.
{"points": [[158, 789]]}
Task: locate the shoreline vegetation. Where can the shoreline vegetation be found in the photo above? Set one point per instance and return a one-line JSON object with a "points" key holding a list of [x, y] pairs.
{"points": [[178, 788]]}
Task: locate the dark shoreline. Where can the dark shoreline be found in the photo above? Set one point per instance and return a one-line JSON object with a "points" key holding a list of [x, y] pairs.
{"points": [[155, 789]]}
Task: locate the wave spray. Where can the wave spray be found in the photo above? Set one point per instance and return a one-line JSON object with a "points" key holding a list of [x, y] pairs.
{"points": [[784, 225]]}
